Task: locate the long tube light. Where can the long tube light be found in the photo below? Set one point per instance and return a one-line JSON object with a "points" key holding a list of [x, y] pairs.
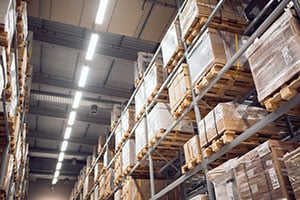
{"points": [[71, 118], [58, 166], [64, 146], [61, 156], [67, 133], [77, 99], [83, 76], [101, 11], [54, 181], [92, 46], [56, 174]]}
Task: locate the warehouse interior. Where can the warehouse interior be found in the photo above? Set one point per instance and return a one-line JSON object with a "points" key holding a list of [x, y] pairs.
{"points": [[88, 163]]}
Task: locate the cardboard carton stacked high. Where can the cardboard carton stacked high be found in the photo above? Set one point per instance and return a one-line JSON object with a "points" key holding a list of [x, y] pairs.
{"points": [[128, 156], [196, 12], [292, 163], [115, 115], [259, 174], [227, 121], [275, 62], [141, 139]]}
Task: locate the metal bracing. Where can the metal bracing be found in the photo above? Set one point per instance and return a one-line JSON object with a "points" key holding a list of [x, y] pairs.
{"points": [[58, 138], [61, 114], [101, 90]]}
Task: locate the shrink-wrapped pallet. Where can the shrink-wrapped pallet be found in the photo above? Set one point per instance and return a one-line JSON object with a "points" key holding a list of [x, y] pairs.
{"points": [[127, 120], [261, 173], [214, 48], [22, 24], [8, 171], [98, 170], [234, 118], [141, 138], [7, 22], [275, 58], [118, 195], [154, 79], [96, 193], [108, 155], [109, 180], [118, 136], [158, 119], [292, 164], [88, 184], [101, 142], [140, 101], [196, 12], [128, 155], [115, 115], [192, 150], [172, 46], [224, 180]]}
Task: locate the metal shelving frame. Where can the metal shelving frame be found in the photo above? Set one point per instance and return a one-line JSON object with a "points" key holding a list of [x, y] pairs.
{"points": [[194, 105]]}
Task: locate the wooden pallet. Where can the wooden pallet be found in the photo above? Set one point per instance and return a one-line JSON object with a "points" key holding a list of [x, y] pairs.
{"points": [[2, 195], [113, 126], [142, 153], [163, 96], [284, 94], [3, 39], [138, 79], [234, 84], [183, 104], [224, 24], [191, 164], [228, 136], [139, 116], [127, 170], [174, 59]]}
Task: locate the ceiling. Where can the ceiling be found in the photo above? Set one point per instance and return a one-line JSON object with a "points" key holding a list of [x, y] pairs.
{"points": [[61, 32]]}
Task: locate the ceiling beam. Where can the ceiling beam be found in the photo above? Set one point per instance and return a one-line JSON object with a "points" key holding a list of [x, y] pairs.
{"points": [[78, 37], [39, 175], [32, 135], [124, 94], [60, 114], [41, 153]]}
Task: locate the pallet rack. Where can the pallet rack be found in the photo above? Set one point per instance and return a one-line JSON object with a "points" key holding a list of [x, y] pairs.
{"points": [[18, 185], [194, 105]]}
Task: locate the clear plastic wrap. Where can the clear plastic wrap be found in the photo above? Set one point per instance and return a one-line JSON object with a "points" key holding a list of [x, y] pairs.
{"points": [[107, 157], [117, 195], [109, 180], [292, 164], [232, 117], [224, 180], [141, 137], [231, 10], [7, 21], [88, 184], [154, 78], [213, 47], [8, 170], [128, 154], [170, 43], [275, 57], [118, 135], [260, 174], [98, 169], [140, 100], [128, 120], [159, 118]]}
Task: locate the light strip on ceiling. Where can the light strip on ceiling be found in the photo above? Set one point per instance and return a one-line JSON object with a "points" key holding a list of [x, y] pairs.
{"points": [[77, 99], [101, 11], [54, 181], [83, 76], [56, 174], [64, 146], [71, 118], [67, 133], [61, 156], [58, 165], [92, 46]]}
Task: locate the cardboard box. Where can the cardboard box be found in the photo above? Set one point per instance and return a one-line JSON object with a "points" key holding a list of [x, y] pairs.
{"points": [[192, 150], [115, 114], [128, 154], [171, 43], [261, 172], [275, 57], [292, 163], [141, 136], [214, 48], [232, 117], [128, 120], [139, 99], [231, 16], [88, 184]]}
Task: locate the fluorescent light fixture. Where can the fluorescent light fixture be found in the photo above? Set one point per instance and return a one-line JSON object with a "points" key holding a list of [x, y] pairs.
{"points": [[64, 146], [58, 165], [56, 174], [92, 46], [83, 76], [101, 11], [67, 133], [71, 118], [77, 99], [61, 156], [54, 181]]}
